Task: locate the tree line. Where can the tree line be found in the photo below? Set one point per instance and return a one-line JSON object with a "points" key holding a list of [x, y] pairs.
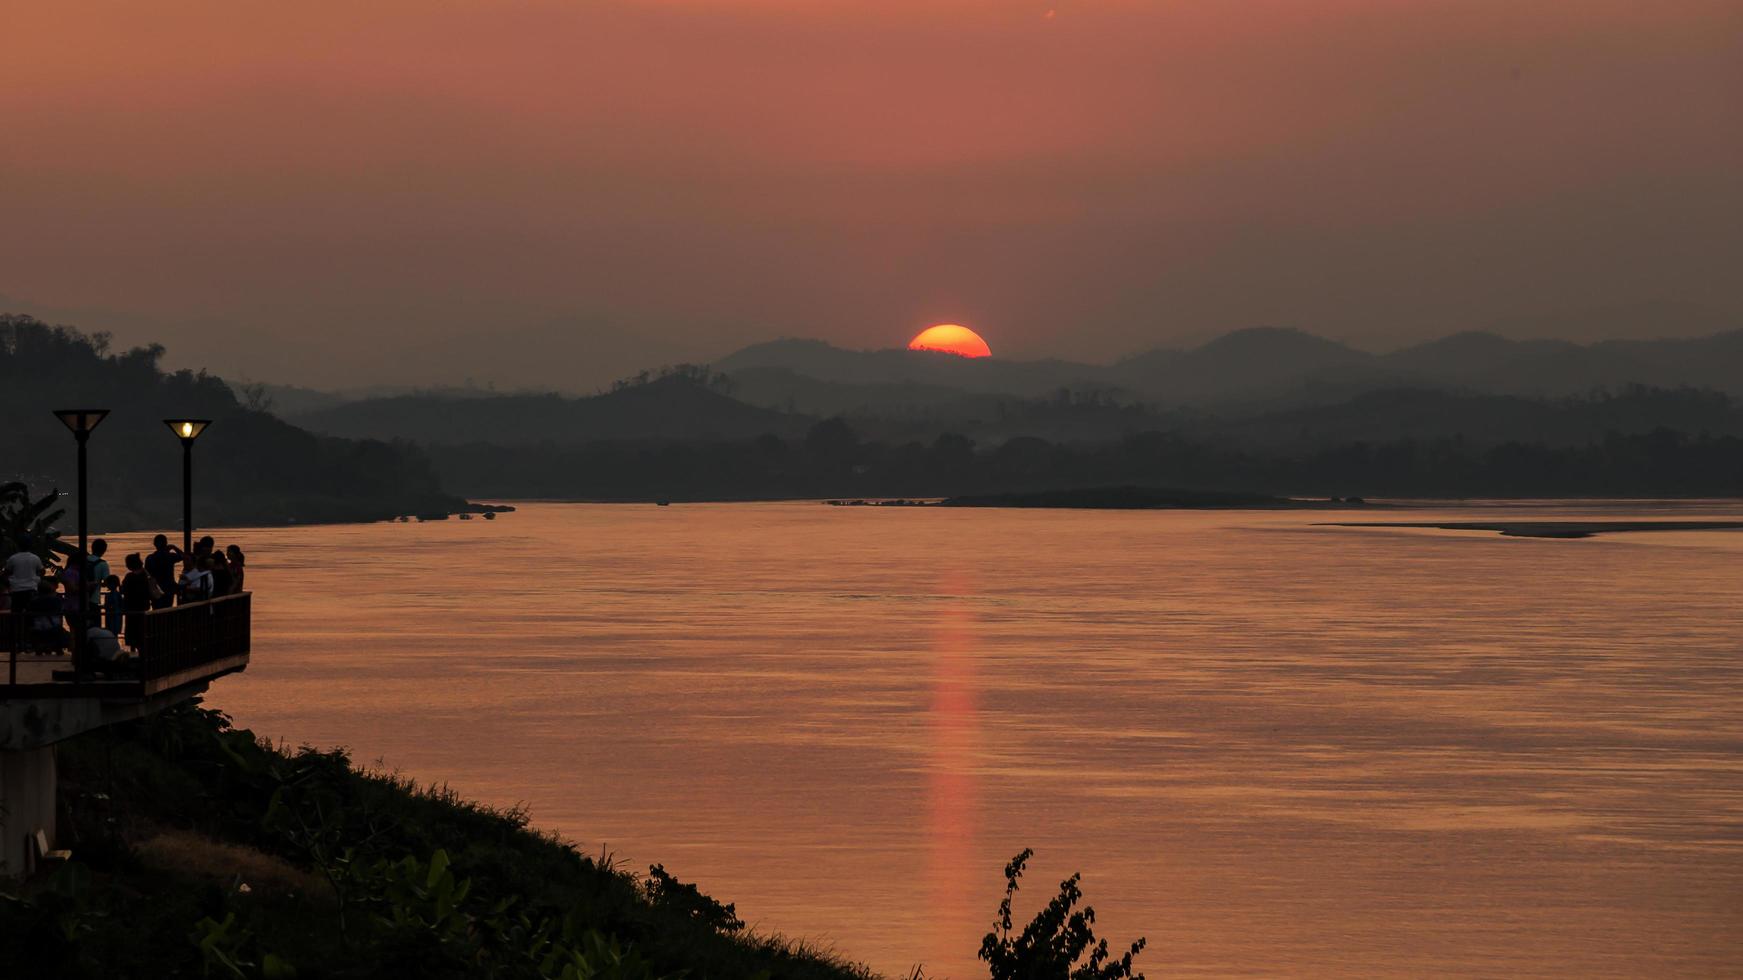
{"points": [[250, 466], [833, 459]]}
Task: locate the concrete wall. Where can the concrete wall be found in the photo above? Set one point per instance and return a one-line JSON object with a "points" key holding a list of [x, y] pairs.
{"points": [[27, 787]]}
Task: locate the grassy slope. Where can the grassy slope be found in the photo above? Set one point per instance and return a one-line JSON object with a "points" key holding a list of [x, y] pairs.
{"points": [[172, 815]]}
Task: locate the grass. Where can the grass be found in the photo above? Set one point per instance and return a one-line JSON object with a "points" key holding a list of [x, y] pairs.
{"points": [[199, 850]]}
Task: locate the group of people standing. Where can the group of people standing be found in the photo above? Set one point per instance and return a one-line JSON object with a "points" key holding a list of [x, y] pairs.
{"points": [[49, 594]]}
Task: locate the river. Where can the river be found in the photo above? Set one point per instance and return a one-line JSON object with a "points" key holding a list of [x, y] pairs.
{"points": [[1271, 747]]}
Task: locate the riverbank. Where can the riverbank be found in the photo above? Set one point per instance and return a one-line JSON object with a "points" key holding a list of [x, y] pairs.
{"points": [[1554, 529], [199, 849]]}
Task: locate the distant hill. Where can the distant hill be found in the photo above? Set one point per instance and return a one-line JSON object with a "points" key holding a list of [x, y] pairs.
{"points": [[826, 362], [1485, 420], [249, 467], [675, 407], [1246, 369], [785, 389], [1241, 366]]}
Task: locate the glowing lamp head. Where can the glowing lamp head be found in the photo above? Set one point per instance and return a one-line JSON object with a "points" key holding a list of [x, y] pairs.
{"points": [[187, 430], [951, 338]]}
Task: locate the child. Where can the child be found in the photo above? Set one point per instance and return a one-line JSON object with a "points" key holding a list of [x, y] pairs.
{"points": [[112, 604]]}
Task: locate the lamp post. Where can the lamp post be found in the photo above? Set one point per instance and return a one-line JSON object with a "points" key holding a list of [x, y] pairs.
{"points": [[82, 421], [187, 430]]}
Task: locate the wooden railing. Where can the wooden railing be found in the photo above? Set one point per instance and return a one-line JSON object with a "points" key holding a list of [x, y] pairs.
{"points": [[14, 639], [164, 641], [185, 637]]}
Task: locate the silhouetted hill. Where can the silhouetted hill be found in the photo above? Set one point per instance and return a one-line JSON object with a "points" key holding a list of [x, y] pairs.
{"points": [[1241, 366], [1487, 420], [784, 389], [675, 407], [1249, 369], [249, 467], [1250, 366], [1487, 362], [826, 362]]}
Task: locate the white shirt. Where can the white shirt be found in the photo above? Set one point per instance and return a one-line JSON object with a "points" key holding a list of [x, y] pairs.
{"points": [[23, 572], [199, 582]]}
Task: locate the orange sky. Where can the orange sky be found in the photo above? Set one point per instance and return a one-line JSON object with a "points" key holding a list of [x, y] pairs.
{"points": [[553, 193]]}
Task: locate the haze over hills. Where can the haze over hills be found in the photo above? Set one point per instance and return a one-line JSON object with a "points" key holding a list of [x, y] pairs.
{"points": [[1268, 363], [676, 407], [1250, 383], [1285, 414], [826, 362]]}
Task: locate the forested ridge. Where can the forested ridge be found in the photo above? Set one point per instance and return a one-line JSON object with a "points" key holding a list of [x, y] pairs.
{"points": [[250, 467]]}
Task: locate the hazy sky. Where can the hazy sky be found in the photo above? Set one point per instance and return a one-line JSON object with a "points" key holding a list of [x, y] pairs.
{"points": [[553, 193]]}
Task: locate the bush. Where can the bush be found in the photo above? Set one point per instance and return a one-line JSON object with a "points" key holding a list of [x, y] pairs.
{"points": [[1052, 946]]}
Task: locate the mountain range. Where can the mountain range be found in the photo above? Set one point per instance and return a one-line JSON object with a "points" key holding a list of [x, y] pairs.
{"points": [[1263, 387], [1264, 365]]}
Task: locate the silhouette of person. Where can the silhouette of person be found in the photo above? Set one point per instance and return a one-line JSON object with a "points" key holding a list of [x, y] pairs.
{"points": [[71, 581], [161, 566], [196, 583], [238, 568], [214, 562], [136, 598], [23, 575], [45, 617], [112, 604], [96, 570]]}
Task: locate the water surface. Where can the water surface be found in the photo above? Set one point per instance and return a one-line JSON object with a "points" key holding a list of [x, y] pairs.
{"points": [[1273, 748]]}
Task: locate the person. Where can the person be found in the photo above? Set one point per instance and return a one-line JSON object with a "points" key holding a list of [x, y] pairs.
{"points": [[23, 575], [112, 604], [196, 581], [96, 569], [220, 570], [238, 568], [161, 566], [139, 591], [104, 645], [45, 618], [71, 582]]}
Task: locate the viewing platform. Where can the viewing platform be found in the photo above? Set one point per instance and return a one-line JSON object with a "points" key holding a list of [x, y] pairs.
{"points": [[173, 654]]}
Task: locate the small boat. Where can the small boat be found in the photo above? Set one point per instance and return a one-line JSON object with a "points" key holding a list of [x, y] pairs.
{"points": [[490, 515], [662, 503], [465, 517]]}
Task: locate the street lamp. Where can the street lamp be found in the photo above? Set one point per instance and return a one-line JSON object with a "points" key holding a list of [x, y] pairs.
{"points": [[82, 421], [187, 430]]}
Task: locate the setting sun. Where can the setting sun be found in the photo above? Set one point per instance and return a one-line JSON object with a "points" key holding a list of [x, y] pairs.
{"points": [[951, 338]]}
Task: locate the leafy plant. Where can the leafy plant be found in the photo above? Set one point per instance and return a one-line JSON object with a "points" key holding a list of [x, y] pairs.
{"points": [[600, 957], [224, 946], [664, 890], [22, 518], [423, 895], [1053, 945]]}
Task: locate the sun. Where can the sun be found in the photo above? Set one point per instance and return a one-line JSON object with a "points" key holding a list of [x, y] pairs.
{"points": [[951, 338]]}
